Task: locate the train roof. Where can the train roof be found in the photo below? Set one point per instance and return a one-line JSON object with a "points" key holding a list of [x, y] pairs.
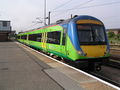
{"points": [[76, 17], [62, 21]]}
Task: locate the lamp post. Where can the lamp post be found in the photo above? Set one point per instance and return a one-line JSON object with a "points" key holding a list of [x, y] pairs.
{"points": [[45, 14]]}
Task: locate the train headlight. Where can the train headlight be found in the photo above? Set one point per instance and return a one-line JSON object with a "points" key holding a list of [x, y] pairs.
{"points": [[79, 52]]}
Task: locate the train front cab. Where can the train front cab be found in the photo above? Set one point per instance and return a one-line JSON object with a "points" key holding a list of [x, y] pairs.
{"points": [[93, 42]]}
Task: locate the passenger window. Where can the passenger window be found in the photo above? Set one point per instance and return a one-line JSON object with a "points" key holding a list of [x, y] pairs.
{"points": [[24, 37], [18, 37], [54, 37], [38, 39], [35, 37]]}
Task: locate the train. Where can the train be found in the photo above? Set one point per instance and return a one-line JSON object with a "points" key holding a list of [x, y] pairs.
{"points": [[81, 40]]}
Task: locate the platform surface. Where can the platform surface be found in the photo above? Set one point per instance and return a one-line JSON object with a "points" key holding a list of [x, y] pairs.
{"points": [[23, 68], [20, 70]]}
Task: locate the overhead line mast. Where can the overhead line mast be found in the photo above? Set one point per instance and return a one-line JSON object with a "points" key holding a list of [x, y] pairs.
{"points": [[45, 12]]}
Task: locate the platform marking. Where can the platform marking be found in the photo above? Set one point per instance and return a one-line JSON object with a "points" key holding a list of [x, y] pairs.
{"points": [[107, 83]]}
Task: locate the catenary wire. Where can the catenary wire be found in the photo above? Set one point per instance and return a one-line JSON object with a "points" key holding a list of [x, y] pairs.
{"points": [[62, 5], [79, 5], [104, 4]]}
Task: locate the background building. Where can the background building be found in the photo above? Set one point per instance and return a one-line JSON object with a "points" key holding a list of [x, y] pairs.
{"points": [[5, 30], [116, 31]]}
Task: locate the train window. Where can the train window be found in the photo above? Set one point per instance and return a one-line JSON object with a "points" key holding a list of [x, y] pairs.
{"points": [[39, 36], [54, 37], [21, 37], [63, 39], [24, 37], [18, 37], [32, 37], [35, 37], [65, 28], [91, 34], [99, 34]]}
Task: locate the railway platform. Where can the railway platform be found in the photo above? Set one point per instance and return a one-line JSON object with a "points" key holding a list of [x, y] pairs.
{"points": [[22, 68]]}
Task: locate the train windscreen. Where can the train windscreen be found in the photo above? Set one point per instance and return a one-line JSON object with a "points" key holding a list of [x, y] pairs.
{"points": [[91, 34]]}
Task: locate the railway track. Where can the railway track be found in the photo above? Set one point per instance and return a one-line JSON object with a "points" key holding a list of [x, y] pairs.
{"points": [[104, 78], [114, 58], [113, 63], [115, 45], [115, 49]]}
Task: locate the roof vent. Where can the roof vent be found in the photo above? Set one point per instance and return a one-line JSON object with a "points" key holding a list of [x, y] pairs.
{"points": [[60, 21], [75, 16]]}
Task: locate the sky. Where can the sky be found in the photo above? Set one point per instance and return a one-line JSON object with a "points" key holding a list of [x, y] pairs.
{"points": [[27, 14]]}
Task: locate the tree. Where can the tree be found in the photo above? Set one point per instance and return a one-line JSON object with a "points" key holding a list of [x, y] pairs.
{"points": [[111, 34], [118, 36]]}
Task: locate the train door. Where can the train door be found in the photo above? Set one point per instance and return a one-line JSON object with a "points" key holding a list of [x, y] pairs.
{"points": [[27, 39], [44, 40], [64, 37], [63, 44]]}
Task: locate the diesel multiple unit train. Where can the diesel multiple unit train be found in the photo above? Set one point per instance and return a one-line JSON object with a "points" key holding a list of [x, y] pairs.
{"points": [[81, 39]]}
